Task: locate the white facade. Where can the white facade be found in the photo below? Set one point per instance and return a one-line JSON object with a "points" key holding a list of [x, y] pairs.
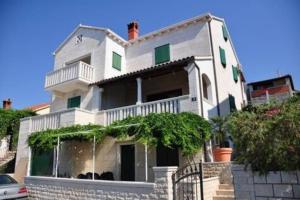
{"points": [[194, 52]]}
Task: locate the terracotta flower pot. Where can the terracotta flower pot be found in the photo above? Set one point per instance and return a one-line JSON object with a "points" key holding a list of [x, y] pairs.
{"points": [[222, 154]]}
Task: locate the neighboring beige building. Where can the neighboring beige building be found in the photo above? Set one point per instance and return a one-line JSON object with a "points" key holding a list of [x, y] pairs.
{"points": [[99, 78], [40, 109]]}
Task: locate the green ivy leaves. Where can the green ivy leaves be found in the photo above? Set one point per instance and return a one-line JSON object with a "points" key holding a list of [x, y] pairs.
{"points": [[187, 131]]}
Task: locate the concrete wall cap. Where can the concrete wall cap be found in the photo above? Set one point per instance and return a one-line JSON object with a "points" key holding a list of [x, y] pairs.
{"points": [[165, 169], [30, 179]]}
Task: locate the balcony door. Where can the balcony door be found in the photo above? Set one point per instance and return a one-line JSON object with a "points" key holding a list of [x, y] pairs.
{"points": [[127, 162]]}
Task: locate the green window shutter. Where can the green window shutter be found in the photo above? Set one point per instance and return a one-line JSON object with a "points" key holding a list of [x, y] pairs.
{"points": [[74, 102], [116, 61], [222, 56], [232, 105], [162, 54], [225, 33], [235, 73]]}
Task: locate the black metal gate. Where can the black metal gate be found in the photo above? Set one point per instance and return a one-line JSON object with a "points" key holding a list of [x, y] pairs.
{"points": [[188, 183]]}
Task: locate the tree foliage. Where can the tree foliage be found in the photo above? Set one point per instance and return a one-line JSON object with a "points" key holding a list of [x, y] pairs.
{"points": [[187, 131], [10, 123], [267, 137]]}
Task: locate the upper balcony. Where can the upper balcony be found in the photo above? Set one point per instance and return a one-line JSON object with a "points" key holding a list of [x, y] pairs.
{"points": [[73, 76]]}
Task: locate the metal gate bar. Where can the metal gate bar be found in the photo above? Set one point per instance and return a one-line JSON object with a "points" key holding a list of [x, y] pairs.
{"points": [[185, 183]]}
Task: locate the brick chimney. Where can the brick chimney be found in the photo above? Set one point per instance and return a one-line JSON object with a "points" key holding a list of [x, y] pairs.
{"points": [[7, 104], [133, 30]]}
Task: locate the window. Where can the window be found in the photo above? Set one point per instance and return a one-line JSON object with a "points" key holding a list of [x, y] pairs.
{"points": [[78, 39], [116, 61], [207, 94], [225, 33], [222, 57], [235, 73], [162, 54], [74, 102], [232, 105]]}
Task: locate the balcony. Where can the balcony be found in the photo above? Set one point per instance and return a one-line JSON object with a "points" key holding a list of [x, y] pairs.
{"points": [[58, 119], [171, 105], [73, 76], [278, 93]]}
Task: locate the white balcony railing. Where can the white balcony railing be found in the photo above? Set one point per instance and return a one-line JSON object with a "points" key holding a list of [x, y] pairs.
{"points": [[78, 70], [172, 105], [59, 119]]}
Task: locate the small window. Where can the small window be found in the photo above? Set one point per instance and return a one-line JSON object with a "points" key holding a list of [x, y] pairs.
{"points": [[78, 39], [235, 73], [232, 105], [116, 61], [207, 94], [162, 54], [222, 56], [225, 33], [74, 102]]}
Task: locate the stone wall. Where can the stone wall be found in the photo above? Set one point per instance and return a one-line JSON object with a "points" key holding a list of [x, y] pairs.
{"points": [[62, 188], [276, 185], [220, 169]]}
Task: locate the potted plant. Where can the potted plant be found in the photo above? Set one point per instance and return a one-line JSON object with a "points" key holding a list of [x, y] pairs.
{"points": [[221, 151]]}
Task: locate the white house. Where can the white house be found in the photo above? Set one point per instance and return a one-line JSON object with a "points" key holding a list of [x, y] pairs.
{"points": [[98, 77]]}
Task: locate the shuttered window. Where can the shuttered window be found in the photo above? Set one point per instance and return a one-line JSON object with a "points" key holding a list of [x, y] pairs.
{"points": [[232, 105], [162, 54], [235, 73], [222, 56], [225, 33], [116, 61], [74, 102]]}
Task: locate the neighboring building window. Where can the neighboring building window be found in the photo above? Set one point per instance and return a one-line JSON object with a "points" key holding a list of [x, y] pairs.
{"points": [[116, 61], [206, 87], [232, 105], [225, 33], [74, 102], [222, 56], [162, 54], [235, 73]]}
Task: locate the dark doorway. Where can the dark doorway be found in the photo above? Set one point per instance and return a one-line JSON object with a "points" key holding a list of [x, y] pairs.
{"points": [[127, 163], [166, 156], [164, 95]]}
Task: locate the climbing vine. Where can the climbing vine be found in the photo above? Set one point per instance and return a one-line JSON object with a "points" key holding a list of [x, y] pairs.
{"points": [[186, 131], [10, 123]]}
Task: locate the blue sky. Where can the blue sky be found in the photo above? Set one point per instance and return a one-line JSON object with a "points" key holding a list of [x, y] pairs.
{"points": [[266, 35]]}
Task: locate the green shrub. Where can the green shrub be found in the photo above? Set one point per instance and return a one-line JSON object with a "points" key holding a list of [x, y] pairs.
{"points": [[267, 137], [10, 124]]}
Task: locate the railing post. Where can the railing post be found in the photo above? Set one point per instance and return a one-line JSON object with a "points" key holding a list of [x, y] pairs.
{"points": [[201, 180]]}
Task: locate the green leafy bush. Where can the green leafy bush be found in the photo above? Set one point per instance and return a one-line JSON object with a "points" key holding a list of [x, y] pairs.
{"points": [[10, 123], [267, 137]]}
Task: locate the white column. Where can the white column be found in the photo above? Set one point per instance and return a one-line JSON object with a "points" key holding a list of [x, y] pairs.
{"points": [[96, 98], [139, 90], [94, 149], [194, 88], [146, 163], [57, 156], [29, 162], [267, 96]]}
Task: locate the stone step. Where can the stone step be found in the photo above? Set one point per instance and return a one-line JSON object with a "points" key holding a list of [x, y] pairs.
{"points": [[226, 187], [225, 192], [223, 197]]}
